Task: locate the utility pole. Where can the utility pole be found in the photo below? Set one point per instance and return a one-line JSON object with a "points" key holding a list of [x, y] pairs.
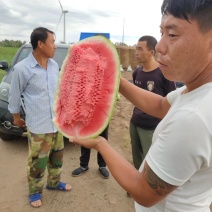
{"points": [[123, 32]]}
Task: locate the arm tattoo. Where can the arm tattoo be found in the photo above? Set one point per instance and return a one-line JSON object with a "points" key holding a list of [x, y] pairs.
{"points": [[161, 187]]}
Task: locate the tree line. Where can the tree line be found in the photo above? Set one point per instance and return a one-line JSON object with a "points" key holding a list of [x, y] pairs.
{"points": [[18, 43], [12, 43]]}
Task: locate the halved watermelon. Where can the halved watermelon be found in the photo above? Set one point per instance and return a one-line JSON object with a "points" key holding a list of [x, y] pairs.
{"points": [[87, 88]]}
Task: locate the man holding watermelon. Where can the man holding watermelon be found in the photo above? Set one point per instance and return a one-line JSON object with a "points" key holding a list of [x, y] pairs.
{"points": [[177, 171], [36, 79]]}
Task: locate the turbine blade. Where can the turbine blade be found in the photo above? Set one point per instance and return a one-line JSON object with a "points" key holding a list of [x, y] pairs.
{"points": [[58, 23], [61, 5]]}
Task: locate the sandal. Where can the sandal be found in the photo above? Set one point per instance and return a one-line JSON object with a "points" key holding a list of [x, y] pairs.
{"points": [[33, 198], [61, 186]]}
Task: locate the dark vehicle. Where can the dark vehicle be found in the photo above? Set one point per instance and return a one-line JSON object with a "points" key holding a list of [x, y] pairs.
{"points": [[7, 130]]}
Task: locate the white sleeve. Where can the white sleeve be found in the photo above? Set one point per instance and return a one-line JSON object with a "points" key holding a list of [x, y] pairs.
{"points": [[174, 94], [181, 148]]}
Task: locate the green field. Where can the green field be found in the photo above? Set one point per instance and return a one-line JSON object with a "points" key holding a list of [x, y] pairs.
{"points": [[7, 54]]}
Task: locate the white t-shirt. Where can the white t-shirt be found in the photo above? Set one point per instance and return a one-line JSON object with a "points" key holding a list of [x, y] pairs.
{"points": [[181, 153]]}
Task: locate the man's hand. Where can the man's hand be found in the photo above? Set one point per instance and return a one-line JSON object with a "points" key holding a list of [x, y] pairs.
{"points": [[88, 143], [18, 121]]}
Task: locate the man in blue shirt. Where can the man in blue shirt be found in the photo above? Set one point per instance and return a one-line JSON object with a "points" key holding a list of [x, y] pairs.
{"points": [[36, 79]]}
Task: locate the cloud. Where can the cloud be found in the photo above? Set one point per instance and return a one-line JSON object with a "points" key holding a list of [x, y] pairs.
{"points": [[20, 17]]}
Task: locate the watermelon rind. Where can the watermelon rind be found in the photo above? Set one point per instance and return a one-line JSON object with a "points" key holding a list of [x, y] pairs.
{"points": [[108, 44]]}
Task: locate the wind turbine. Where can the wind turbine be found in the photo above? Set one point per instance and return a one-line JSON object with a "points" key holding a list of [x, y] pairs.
{"points": [[64, 16]]}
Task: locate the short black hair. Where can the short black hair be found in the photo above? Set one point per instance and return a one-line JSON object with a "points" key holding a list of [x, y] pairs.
{"points": [[151, 41], [199, 10], [39, 34]]}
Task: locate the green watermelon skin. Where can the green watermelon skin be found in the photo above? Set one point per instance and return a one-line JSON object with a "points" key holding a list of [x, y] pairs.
{"points": [[87, 88]]}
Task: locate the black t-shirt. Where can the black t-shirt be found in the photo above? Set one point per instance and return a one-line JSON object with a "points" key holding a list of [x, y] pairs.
{"points": [[155, 82]]}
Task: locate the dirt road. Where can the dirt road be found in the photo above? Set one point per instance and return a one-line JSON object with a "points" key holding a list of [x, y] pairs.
{"points": [[90, 193]]}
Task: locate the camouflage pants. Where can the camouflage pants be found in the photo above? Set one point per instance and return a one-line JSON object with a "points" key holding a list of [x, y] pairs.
{"points": [[45, 150]]}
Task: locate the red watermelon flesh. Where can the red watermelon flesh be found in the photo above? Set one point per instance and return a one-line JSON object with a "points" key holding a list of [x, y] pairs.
{"points": [[87, 88]]}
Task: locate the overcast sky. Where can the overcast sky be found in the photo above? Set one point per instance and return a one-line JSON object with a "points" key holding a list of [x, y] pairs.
{"points": [[125, 20]]}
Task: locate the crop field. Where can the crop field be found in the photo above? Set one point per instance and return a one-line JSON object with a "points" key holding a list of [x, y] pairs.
{"points": [[7, 54]]}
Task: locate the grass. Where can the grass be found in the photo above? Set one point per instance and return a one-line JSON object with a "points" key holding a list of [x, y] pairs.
{"points": [[7, 54], [2, 73]]}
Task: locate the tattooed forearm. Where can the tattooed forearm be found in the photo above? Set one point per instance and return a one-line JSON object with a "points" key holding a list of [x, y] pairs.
{"points": [[161, 187]]}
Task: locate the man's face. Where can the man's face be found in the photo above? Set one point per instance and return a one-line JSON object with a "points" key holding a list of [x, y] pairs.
{"points": [[49, 47], [142, 54], [183, 49]]}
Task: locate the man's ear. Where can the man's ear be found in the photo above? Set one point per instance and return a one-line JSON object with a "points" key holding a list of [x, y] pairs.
{"points": [[153, 52], [40, 44]]}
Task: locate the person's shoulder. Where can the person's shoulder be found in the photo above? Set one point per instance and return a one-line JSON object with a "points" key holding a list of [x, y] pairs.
{"points": [[22, 63], [138, 69], [155, 71], [158, 70], [160, 73], [172, 95], [135, 72]]}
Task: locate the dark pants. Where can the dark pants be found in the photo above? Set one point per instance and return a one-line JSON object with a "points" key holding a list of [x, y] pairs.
{"points": [[85, 153]]}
